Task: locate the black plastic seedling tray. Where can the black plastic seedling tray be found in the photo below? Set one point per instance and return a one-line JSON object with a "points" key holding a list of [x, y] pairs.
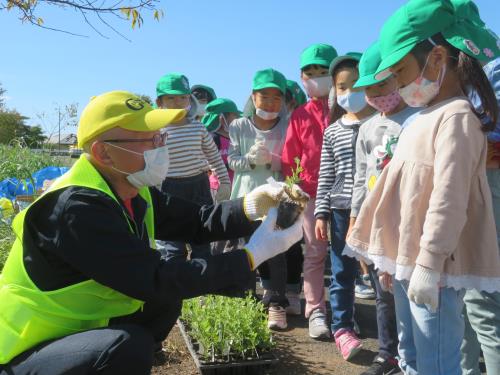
{"points": [[257, 366]]}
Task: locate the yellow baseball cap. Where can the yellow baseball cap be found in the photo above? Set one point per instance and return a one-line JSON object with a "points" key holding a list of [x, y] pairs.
{"points": [[125, 110]]}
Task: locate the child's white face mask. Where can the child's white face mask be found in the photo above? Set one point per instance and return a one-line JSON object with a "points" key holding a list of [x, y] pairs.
{"points": [[266, 115], [155, 170], [318, 87], [421, 91]]}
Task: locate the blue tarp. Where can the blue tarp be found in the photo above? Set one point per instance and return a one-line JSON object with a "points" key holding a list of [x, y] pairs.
{"points": [[11, 187]]}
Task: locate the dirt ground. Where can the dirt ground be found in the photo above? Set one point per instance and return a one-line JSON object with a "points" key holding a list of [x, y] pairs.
{"points": [[298, 354]]}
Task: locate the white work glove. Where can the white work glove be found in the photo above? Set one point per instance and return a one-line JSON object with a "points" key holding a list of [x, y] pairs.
{"points": [[267, 241], [424, 288], [257, 203], [223, 193], [259, 154]]}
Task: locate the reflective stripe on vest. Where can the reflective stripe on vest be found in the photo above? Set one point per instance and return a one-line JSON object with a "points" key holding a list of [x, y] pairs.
{"points": [[29, 316]]}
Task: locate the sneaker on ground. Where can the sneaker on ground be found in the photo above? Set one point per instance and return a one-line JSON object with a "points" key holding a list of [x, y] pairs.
{"points": [[383, 366], [277, 317], [347, 343], [293, 307], [318, 329], [365, 279], [364, 292]]}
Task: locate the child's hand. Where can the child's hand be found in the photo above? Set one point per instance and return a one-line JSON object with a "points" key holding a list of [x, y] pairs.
{"points": [[321, 230], [424, 288], [385, 281]]}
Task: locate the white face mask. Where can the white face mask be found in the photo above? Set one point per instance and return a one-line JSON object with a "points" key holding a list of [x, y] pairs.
{"points": [[421, 91], [266, 115], [352, 101], [201, 109], [155, 170], [225, 125], [318, 87]]}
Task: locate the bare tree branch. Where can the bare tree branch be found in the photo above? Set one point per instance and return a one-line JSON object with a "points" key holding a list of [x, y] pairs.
{"points": [[124, 10]]}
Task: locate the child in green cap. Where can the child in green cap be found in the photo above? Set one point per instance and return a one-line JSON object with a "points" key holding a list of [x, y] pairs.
{"points": [[192, 153], [374, 147], [204, 95], [254, 156], [219, 114], [428, 221], [294, 97], [305, 132], [334, 192]]}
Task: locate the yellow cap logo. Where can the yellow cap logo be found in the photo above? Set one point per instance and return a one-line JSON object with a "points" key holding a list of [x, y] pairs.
{"points": [[135, 104]]}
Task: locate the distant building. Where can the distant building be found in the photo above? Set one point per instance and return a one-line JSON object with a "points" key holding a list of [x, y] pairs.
{"points": [[67, 140]]}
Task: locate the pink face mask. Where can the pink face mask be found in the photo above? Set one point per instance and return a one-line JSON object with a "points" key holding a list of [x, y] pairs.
{"points": [[385, 103]]}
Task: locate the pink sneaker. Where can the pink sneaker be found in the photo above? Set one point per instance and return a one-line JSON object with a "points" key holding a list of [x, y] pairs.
{"points": [[347, 343]]}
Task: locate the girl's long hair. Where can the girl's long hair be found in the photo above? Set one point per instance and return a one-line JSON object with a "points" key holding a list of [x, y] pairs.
{"points": [[470, 73]]}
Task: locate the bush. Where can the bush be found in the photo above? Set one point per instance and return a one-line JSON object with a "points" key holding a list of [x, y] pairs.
{"points": [[18, 161], [226, 328]]}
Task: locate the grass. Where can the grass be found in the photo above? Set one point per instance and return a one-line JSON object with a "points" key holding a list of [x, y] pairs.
{"points": [[20, 162]]}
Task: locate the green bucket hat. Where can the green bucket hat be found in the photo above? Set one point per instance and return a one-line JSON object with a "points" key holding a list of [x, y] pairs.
{"points": [[269, 78], [469, 33], [317, 54], [356, 56], [214, 109], [208, 89], [172, 84], [298, 95], [368, 66], [414, 22]]}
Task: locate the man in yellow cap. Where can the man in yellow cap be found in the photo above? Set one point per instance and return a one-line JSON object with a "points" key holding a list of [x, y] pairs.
{"points": [[83, 290]]}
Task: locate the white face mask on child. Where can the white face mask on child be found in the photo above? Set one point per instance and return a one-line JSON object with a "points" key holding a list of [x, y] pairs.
{"points": [[155, 170], [318, 87], [421, 91]]}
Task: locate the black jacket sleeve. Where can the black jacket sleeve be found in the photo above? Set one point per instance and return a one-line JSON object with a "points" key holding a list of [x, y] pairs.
{"points": [[94, 241], [179, 219]]}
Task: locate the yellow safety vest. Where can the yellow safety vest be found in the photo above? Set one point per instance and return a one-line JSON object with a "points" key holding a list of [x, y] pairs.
{"points": [[29, 316]]}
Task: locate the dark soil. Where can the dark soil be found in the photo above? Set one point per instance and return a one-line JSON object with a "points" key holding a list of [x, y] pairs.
{"points": [[288, 212]]}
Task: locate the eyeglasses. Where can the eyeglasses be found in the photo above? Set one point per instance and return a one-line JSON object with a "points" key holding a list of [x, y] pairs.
{"points": [[157, 140], [202, 95]]}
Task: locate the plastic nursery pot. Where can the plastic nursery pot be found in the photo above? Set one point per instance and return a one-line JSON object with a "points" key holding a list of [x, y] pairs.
{"points": [[288, 212]]}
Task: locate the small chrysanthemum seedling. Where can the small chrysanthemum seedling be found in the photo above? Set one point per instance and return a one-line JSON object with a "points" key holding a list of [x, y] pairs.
{"points": [[292, 203]]}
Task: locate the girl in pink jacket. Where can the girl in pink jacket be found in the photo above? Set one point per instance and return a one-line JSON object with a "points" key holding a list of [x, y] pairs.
{"points": [[303, 140]]}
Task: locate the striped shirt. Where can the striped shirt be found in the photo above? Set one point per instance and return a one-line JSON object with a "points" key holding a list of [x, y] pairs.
{"points": [[192, 151], [337, 168]]}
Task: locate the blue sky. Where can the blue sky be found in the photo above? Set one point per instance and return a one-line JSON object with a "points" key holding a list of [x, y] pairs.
{"points": [[219, 43]]}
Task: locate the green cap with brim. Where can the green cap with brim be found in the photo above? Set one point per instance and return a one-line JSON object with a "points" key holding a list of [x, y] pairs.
{"points": [[469, 33], [269, 78], [317, 54], [298, 95], [208, 89], [172, 84], [214, 109], [354, 56], [368, 66], [414, 22]]}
